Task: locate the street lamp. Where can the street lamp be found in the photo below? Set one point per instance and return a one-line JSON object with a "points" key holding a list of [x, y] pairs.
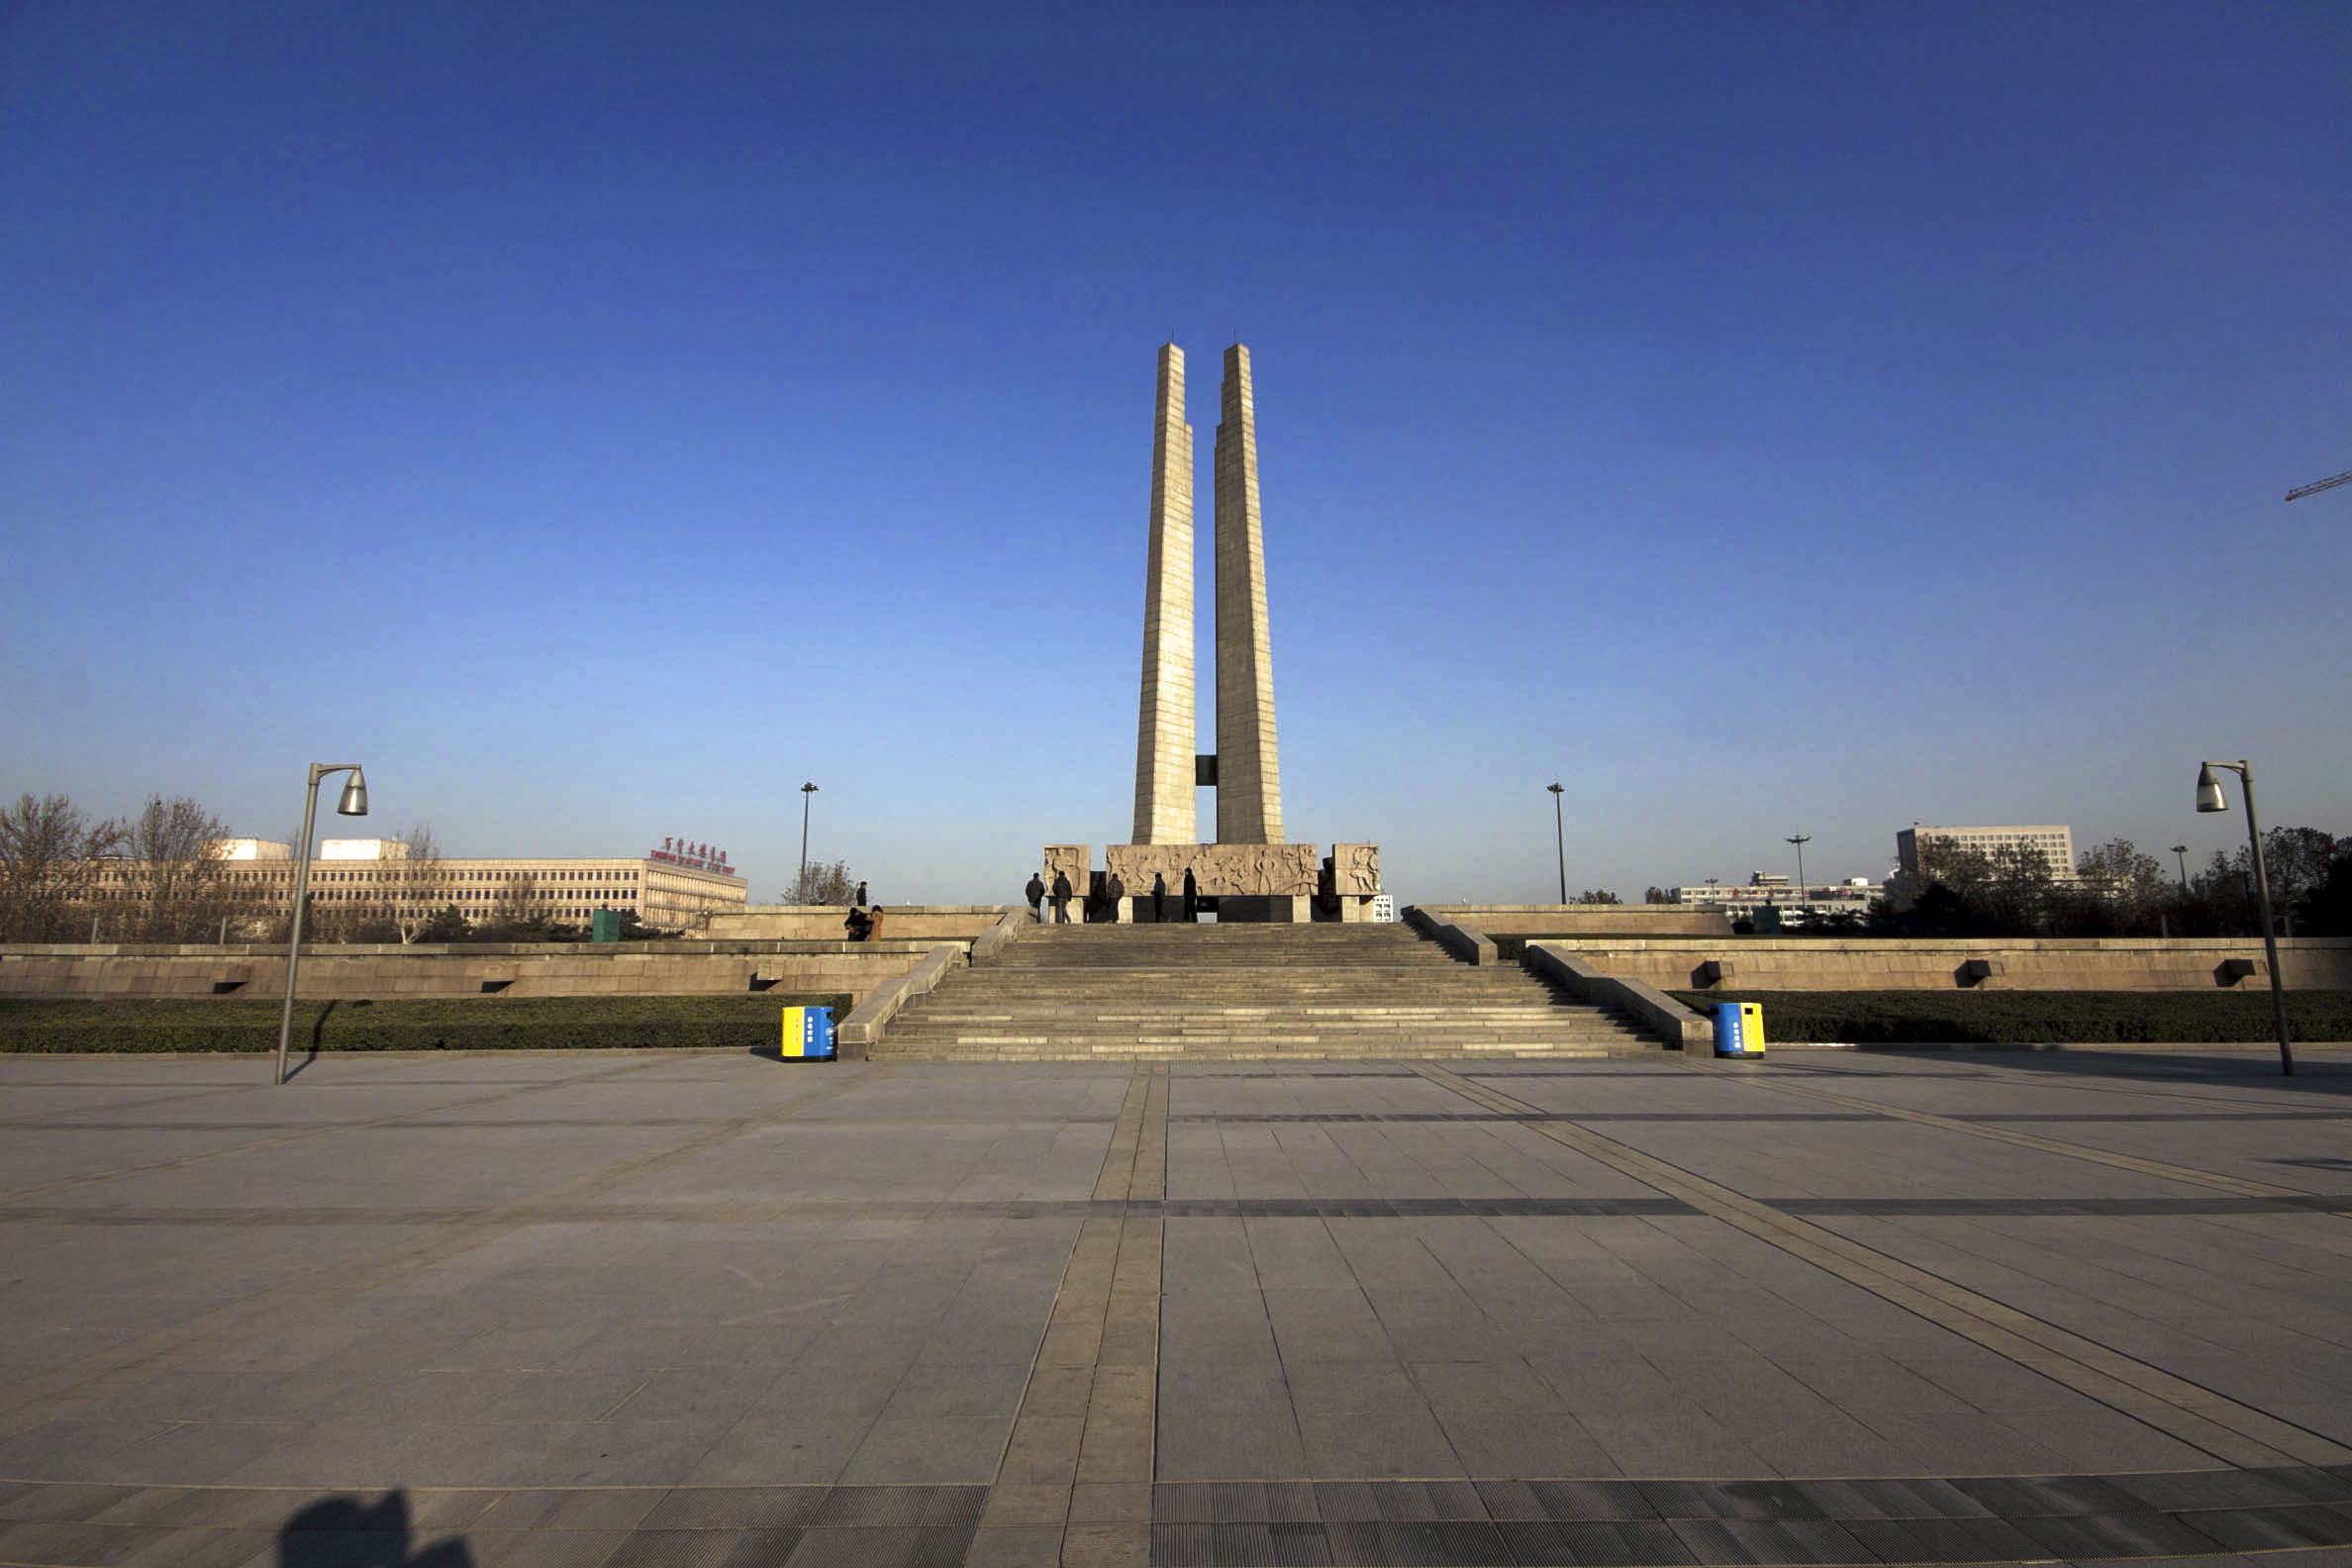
{"points": [[352, 804], [2181, 850], [2210, 799], [800, 889], [1560, 837], [1799, 840]]}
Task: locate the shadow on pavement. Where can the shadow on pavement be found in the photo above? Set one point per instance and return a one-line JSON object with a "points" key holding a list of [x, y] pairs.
{"points": [[318, 1036], [345, 1532], [2330, 1074]]}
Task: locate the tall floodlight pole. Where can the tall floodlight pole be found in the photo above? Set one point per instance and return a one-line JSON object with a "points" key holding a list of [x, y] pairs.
{"points": [[352, 804], [800, 888], [1799, 840], [1559, 837], [2180, 852], [2210, 799]]}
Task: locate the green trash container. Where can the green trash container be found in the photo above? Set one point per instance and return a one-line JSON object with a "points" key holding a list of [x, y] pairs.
{"points": [[603, 925]]}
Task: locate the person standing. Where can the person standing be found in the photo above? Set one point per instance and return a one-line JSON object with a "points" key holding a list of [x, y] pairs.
{"points": [[1160, 898], [1036, 895], [860, 899], [1061, 898], [1191, 897]]}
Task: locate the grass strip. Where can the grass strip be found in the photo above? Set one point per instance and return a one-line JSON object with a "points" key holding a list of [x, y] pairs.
{"points": [[2020, 1017], [489, 1023]]}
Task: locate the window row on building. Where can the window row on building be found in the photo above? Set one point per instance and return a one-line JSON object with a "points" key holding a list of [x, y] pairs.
{"points": [[376, 873]]}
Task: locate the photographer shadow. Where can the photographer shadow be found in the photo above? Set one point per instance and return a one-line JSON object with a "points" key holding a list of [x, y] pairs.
{"points": [[345, 1532]]}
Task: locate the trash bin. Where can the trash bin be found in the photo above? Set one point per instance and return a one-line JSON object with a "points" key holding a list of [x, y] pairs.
{"points": [[808, 1033], [603, 925], [1738, 1028]]}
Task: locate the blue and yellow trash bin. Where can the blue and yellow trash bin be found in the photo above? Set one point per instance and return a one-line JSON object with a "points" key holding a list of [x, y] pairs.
{"points": [[1738, 1029], [808, 1033]]}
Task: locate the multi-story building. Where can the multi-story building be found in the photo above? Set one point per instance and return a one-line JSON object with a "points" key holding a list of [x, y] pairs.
{"points": [[668, 889], [2054, 842], [1851, 896]]}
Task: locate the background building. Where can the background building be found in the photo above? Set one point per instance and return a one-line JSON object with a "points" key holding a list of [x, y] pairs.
{"points": [[1740, 902], [666, 889], [2055, 842]]}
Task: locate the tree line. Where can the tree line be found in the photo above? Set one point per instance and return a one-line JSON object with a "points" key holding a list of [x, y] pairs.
{"points": [[163, 875], [2117, 890]]}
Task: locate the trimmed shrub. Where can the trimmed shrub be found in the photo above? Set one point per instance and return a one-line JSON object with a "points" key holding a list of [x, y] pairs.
{"points": [[489, 1023], [2022, 1017]]}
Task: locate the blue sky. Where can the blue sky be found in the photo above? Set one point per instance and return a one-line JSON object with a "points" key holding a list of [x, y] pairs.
{"points": [[599, 420]]}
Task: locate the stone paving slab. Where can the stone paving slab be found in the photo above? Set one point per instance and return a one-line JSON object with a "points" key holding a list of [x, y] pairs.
{"points": [[694, 1306]]}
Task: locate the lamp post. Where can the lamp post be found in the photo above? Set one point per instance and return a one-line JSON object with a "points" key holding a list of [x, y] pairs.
{"points": [[2210, 799], [2182, 852], [1799, 840], [800, 888], [1559, 837], [352, 804]]}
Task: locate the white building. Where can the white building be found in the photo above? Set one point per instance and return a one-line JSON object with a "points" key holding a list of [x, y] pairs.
{"points": [[668, 889], [1814, 899], [2053, 842]]}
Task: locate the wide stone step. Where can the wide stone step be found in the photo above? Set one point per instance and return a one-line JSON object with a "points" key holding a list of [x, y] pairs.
{"points": [[1259, 1051], [1097, 993]]}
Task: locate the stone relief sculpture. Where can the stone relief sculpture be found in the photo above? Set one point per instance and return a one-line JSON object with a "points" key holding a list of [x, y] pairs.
{"points": [[1072, 861], [1240, 870], [1356, 868]]}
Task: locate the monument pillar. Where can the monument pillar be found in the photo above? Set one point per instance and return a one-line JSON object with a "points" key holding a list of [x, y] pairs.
{"points": [[1248, 773], [1165, 723]]}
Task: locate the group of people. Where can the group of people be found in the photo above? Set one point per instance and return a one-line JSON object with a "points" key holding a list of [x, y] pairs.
{"points": [[1060, 892], [862, 924]]}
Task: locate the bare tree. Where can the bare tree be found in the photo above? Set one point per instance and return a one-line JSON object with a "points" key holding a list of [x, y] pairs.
{"points": [[2127, 887], [50, 855], [518, 900], [176, 872], [418, 881], [824, 884]]}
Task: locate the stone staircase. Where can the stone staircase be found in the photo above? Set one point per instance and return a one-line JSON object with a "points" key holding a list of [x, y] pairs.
{"points": [[1093, 993]]}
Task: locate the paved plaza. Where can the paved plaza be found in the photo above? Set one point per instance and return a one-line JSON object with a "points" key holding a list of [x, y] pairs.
{"points": [[699, 1308]]}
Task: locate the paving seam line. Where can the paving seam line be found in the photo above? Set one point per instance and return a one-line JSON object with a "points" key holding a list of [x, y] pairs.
{"points": [[119, 1368], [2231, 1433], [304, 1135], [2237, 1185], [34, 1118], [1077, 1465]]}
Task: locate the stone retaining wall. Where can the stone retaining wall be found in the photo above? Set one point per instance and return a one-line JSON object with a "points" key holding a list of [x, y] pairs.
{"points": [[1585, 920], [823, 921], [2106, 963], [52, 972]]}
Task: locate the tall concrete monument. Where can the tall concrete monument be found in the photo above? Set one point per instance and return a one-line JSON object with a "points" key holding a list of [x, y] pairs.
{"points": [[1165, 761], [1248, 772], [1245, 769], [1249, 871]]}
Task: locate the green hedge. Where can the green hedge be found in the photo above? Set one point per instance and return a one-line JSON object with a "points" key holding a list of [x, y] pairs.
{"points": [[489, 1023], [2019, 1018]]}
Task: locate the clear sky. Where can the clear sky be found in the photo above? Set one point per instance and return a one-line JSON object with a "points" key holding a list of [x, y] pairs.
{"points": [[600, 418]]}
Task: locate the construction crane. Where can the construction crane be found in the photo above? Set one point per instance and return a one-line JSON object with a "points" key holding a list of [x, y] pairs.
{"points": [[2324, 484]]}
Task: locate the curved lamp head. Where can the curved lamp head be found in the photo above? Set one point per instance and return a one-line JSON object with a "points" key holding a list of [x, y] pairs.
{"points": [[2208, 791], [1554, 788], [808, 789], [355, 796]]}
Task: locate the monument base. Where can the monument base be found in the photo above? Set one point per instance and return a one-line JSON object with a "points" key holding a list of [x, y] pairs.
{"points": [[1273, 909], [1245, 884]]}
